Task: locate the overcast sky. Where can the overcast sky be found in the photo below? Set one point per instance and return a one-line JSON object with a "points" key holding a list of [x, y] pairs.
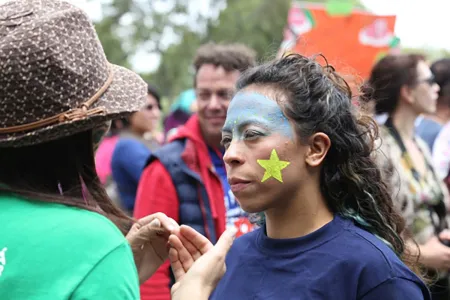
{"points": [[419, 22]]}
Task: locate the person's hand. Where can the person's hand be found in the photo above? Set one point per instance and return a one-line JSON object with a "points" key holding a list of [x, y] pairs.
{"points": [[197, 265], [188, 246], [148, 240], [434, 254]]}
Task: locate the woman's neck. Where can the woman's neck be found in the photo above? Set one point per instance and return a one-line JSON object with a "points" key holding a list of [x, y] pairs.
{"points": [[403, 120], [299, 217]]}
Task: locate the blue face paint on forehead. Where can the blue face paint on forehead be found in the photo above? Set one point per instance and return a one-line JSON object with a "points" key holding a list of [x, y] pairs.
{"points": [[249, 108]]}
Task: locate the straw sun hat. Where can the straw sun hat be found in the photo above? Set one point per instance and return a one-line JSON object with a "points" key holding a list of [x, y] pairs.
{"points": [[55, 80]]}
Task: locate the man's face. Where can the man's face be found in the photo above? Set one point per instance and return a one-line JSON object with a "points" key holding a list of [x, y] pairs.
{"points": [[214, 89]]}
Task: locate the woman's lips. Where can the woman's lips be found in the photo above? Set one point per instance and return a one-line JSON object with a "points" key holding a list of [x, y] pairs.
{"points": [[238, 185]]}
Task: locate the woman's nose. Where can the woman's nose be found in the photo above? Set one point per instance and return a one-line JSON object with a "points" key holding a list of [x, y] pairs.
{"points": [[233, 155]]}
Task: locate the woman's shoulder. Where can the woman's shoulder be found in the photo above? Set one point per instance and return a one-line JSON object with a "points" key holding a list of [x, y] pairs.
{"points": [[60, 223], [129, 143], [372, 261], [379, 260], [128, 147], [58, 243]]}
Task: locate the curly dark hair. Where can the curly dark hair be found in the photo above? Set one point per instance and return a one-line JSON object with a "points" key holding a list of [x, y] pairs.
{"points": [[319, 100]]}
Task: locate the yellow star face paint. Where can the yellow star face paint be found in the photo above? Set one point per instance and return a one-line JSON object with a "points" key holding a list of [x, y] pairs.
{"points": [[273, 167]]}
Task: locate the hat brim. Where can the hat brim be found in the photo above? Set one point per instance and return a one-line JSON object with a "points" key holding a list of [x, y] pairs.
{"points": [[126, 94]]}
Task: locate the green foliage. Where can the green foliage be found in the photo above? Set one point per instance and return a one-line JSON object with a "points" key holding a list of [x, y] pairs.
{"points": [[175, 73], [107, 30], [257, 23], [131, 25], [430, 53]]}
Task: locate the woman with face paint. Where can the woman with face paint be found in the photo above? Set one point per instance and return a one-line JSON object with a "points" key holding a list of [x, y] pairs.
{"points": [[299, 154]]}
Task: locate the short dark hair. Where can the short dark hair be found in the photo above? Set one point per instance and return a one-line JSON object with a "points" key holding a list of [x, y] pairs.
{"points": [[118, 125], [441, 72], [153, 91], [228, 56], [387, 78]]}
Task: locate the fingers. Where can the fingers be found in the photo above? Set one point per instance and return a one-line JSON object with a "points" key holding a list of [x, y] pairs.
{"points": [[206, 272], [210, 267], [184, 253], [146, 233], [184, 256], [196, 239], [146, 228], [194, 252], [167, 223], [177, 266], [225, 241]]}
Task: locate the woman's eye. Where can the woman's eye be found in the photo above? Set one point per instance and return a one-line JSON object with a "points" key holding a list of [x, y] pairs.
{"points": [[251, 134], [225, 142]]}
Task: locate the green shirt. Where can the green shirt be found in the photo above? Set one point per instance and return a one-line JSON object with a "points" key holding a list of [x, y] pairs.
{"points": [[52, 251]]}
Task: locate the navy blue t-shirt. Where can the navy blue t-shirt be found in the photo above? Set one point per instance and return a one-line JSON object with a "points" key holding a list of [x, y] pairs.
{"points": [[339, 262]]}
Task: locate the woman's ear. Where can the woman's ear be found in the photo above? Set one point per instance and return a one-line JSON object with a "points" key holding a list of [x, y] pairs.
{"points": [[406, 93], [319, 144]]}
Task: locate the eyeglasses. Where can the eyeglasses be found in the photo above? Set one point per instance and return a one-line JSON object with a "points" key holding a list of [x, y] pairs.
{"points": [[430, 80]]}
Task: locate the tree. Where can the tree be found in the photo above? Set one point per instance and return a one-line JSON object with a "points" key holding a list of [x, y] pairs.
{"points": [[430, 53], [142, 25], [175, 72], [239, 22], [145, 25], [257, 23], [107, 31]]}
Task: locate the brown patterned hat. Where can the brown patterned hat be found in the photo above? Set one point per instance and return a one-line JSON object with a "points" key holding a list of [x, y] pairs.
{"points": [[54, 77]]}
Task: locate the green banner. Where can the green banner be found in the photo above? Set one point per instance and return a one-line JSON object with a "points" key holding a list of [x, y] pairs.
{"points": [[339, 7]]}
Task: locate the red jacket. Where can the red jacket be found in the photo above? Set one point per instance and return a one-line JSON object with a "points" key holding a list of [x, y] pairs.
{"points": [[156, 193]]}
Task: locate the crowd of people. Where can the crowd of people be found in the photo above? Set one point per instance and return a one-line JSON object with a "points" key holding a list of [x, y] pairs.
{"points": [[103, 197]]}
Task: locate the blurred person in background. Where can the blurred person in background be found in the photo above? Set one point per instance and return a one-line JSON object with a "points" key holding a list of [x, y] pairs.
{"points": [[186, 179], [403, 87], [137, 139], [441, 145], [107, 139], [441, 154], [428, 126], [180, 112], [104, 151]]}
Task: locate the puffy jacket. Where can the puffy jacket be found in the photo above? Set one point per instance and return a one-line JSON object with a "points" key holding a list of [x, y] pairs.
{"points": [[180, 181]]}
